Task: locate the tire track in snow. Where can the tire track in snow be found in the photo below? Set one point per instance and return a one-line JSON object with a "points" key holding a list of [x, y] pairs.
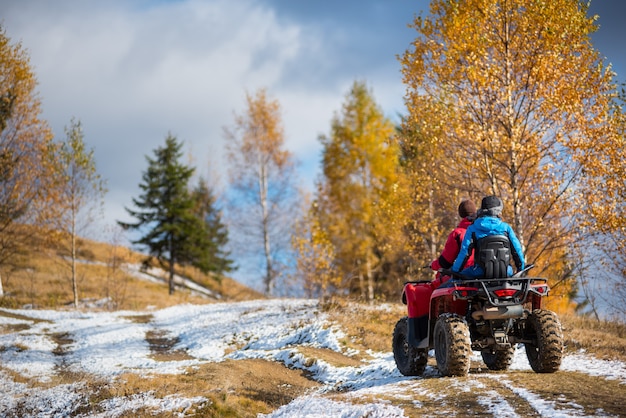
{"points": [[544, 407]]}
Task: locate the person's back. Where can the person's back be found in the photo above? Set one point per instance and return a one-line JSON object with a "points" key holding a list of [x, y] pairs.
{"points": [[487, 223], [467, 213]]}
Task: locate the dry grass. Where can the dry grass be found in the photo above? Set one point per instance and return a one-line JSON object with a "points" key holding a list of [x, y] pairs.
{"points": [[329, 356], [233, 388], [459, 396], [606, 340], [41, 278], [367, 327]]}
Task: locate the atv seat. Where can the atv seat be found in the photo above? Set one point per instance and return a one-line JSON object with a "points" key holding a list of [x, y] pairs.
{"points": [[493, 254]]}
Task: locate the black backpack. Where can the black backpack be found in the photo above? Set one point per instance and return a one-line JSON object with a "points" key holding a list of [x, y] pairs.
{"points": [[493, 254]]}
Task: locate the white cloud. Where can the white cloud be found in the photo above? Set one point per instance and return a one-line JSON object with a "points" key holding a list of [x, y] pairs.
{"points": [[134, 71]]}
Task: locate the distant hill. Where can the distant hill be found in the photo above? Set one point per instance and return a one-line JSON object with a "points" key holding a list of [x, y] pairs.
{"points": [[110, 277]]}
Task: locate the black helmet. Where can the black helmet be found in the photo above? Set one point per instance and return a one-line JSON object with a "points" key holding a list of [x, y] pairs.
{"points": [[491, 206]]}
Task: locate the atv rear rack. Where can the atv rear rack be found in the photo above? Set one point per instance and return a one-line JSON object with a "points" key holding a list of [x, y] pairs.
{"points": [[502, 291]]}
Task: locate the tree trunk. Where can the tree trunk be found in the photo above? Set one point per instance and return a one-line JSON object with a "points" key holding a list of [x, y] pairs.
{"points": [[431, 215], [171, 278], [74, 284], [370, 281], [1, 290], [269, 273], [361, 284], [514, 137], [171, 268]]}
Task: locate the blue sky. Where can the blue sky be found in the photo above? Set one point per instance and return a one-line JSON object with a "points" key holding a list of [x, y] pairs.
{"points": [[134, 70]]}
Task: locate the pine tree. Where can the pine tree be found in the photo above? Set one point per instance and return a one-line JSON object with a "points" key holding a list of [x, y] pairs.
{"points": [[173, 233], [210, 250]]}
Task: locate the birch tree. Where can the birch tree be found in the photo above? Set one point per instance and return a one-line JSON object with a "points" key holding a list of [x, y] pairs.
{"points": [[263, 186], [604, 180], [80, 194]]}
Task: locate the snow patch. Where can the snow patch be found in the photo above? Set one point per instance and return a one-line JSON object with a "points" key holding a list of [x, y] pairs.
{"points": [[317, 407], [545, 408]]}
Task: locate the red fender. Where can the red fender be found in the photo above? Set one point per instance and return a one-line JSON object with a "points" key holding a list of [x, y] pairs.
{"points": [[418, 298]]}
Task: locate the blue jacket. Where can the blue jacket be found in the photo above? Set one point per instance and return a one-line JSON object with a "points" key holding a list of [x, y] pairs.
{"points": [[482, 227]]}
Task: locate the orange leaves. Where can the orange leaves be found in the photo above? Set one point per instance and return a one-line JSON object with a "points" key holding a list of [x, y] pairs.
{"points": [[605, 181], [24, 140], [260, 132]]}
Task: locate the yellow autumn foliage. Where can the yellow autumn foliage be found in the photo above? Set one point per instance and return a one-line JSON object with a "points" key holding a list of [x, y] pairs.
{"points": [[357, 207], [510, 98]]}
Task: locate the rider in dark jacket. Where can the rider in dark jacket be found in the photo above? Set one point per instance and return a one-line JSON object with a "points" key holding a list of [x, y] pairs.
{"points": [[488, 222]]}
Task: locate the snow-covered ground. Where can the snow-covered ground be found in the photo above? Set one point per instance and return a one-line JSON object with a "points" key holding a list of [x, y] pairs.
{"points": [[110, 343]]}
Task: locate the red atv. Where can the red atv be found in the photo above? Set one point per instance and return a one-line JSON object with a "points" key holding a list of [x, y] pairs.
{"points": [[491, 315]]}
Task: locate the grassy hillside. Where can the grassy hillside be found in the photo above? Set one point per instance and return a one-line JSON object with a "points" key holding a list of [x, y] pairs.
{"points": [[40, 277]]}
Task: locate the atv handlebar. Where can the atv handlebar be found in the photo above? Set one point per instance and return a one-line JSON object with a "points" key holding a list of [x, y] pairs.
{"points": [[522, 273], [454, 274]]}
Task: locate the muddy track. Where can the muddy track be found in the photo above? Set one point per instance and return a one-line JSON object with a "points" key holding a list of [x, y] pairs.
{"points": [[496, 394]]}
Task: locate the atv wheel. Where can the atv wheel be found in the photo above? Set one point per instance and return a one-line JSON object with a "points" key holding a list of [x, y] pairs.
{"points": [[498, 360], [452, 345], [545, 353], [411, 361]]}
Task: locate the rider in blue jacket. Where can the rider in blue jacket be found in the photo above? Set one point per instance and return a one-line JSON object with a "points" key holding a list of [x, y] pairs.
{"points": [[488, 222]]}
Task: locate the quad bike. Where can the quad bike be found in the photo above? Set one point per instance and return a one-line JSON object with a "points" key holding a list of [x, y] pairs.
{"points": [[491, 315]]}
